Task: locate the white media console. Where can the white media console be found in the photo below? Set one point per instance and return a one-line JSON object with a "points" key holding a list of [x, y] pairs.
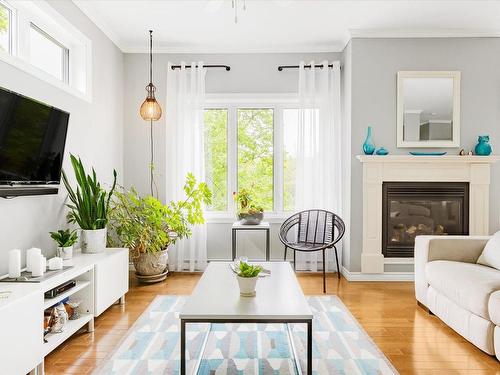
{"points": [[102, 280]]}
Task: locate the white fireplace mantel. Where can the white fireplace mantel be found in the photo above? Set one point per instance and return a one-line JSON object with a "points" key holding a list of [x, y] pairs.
{"points": [[377, 169]]}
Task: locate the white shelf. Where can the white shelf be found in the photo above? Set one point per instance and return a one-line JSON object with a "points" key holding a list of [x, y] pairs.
{"points": [[52, 301], [56, 339]]}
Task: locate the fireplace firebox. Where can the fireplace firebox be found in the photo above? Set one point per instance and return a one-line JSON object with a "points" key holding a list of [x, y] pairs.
{"points": [[410, 209]]}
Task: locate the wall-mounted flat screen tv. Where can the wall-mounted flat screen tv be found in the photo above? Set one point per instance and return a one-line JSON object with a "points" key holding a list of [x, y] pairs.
{"points": [[32, 140]]}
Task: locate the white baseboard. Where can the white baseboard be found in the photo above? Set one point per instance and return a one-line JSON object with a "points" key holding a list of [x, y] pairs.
{"points": [[386, 276]]}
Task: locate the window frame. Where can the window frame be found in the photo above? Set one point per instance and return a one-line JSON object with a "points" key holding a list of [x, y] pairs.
{"points": [[12, 26], [233, 102], [60, 30], [65, 51]]}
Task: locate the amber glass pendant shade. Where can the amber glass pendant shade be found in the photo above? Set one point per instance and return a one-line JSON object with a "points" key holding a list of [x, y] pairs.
{"points": [[150, 108]]}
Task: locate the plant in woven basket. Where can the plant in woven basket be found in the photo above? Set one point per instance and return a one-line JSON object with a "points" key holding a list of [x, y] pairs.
{"points": [[146, 226]]}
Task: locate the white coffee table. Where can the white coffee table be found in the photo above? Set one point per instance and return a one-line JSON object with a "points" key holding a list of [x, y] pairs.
{"points": [[216, 299]]}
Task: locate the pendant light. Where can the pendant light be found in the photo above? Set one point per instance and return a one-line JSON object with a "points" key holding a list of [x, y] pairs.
{"points": [[150, 109]]}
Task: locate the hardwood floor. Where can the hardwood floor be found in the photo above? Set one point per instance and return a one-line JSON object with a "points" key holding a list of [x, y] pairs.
{"points": [[414, 341]]}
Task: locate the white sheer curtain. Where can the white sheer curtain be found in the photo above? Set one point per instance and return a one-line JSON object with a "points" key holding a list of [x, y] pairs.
{"points": [[318, 171], [185, 153]]}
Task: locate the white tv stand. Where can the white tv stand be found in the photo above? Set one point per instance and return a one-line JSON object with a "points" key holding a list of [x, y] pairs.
{"points": [[102, 279]]}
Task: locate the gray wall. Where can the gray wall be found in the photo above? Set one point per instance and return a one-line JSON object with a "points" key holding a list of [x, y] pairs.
{"points": [[250, 73], [375, 63], [95, 132]]}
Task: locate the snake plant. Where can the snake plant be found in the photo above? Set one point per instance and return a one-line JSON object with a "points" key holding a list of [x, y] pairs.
{"points": [[90, 202]]}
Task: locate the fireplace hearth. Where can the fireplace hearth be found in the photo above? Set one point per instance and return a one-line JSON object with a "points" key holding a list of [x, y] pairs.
{"points": [[410, 209]]}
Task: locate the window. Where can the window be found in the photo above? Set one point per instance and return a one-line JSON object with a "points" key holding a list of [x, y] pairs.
{"points": [[216, 157], [5, 28], [251, 146], [255, 155], [48, 54], [290, 129], [43, 43]]}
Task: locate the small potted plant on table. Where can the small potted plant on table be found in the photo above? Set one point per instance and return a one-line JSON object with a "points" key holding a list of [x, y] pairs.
{"points": [[65, 240], [248, 212], [247, 278]]}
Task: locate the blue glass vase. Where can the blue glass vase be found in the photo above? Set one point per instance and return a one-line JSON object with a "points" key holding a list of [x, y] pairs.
{"points": [[369, 146], [483, 146]]}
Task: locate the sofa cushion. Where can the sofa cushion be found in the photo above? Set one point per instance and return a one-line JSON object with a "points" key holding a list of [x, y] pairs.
{"points": [[494, 308], [491, 254], [467, 284]]}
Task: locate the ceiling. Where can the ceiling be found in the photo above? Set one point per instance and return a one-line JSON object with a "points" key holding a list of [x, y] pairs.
{"points": [[207, 26]]}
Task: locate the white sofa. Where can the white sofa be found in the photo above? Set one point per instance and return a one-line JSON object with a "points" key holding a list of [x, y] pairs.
{"points": [[463, 294]]}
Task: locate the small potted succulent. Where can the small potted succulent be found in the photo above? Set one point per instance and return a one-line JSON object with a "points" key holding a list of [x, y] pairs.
{"points": [[248, 212], [65, 240], [247, 278]]}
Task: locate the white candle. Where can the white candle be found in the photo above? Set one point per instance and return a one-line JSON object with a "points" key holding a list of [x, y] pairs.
{"points": [[30, 257], [14, 263], [37, 265], [44, 264], [55, 263]]}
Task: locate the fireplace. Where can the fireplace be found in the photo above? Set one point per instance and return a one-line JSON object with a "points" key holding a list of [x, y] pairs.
{"points": [[410, 209]]}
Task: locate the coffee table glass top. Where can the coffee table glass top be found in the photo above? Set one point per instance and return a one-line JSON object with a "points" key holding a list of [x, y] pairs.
{"points": [[217, 295]]}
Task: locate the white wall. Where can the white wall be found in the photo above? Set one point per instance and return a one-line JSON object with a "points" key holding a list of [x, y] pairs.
{"points": [[250, 73], [95, 133]]}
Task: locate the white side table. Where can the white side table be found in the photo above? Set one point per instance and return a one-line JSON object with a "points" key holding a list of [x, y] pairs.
{"points": [[264, 225]]}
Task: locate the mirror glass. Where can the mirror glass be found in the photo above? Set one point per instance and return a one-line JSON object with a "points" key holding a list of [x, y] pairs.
{"points": [[428, 110]]}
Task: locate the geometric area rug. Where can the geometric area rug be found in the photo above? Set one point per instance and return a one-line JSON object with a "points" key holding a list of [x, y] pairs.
{"points": [[340, 345]]}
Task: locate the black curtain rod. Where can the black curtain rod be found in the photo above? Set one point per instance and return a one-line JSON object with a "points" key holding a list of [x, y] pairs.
{"points": [[281, 67], [227, 67]]}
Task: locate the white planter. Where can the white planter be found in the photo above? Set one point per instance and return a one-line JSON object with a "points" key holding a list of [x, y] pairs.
{"points": [[247, 285], [93, 241], [65, 252]]}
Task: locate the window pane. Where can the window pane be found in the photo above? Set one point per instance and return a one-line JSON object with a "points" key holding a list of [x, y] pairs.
{"points": [[5, 26], [47, 54], [255, 154], [290, 130], [216, 157]]}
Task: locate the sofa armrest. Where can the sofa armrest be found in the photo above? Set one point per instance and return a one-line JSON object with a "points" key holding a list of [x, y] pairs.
{"points": [[454, 248]]}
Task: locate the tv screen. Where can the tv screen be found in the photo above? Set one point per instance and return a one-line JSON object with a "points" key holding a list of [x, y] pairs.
{"points": [[32, 139]]}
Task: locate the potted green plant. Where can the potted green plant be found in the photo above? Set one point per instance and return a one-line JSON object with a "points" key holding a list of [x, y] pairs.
{"points": [[247, 278], [148, 227], [65, 239], [89, 206], [248, 212]]}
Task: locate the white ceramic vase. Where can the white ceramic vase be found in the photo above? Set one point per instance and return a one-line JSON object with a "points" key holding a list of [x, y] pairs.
{"points": [[247, 285], [93, 241], [65, 252]]}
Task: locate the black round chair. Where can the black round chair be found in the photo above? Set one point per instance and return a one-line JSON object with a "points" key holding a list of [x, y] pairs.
{"points": [[317, 230]]}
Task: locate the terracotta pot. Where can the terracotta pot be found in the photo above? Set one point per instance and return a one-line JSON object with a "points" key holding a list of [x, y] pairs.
{"points": [[150, 264]]}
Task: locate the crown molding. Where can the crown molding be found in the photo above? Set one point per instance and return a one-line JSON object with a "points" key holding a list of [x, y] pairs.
{"points": [[206, 49], [428, 33]]}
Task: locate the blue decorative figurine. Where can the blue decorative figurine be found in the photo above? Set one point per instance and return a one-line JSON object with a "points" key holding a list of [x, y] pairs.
{"points": [[382, 151], [369, 146], [483, 147]]}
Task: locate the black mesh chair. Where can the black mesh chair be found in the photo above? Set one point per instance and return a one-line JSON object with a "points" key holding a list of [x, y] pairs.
{"points": [[316, 230]]}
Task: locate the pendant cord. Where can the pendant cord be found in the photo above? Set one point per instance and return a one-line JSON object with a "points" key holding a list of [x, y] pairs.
{"points": [[150, 56], [151, 166]]}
